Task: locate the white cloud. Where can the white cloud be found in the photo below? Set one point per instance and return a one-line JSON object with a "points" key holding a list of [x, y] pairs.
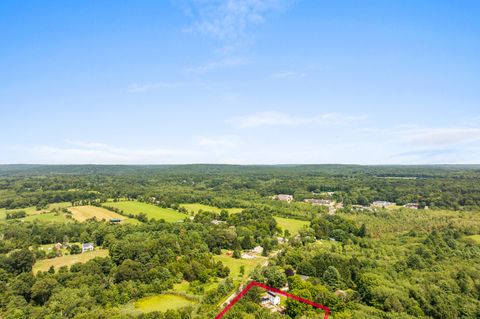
{"points": [[216, 65], [441, 136], [284, 119], [229, 20], [145, 87], [99, 153], [219, 142], [289, 75]]}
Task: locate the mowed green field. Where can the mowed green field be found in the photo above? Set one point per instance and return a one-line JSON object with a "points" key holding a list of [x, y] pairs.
{"points": [[68, 260], [152, 211], [293, 225], [195, 208], [235, 264], [163, 302]]}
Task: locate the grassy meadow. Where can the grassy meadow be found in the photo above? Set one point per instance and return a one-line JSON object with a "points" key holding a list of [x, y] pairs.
{"points": [[293, 225], [235, 264], [163, 302], [42, 215], [47, 218], [68, 260], [196, 207], [152, 211]]}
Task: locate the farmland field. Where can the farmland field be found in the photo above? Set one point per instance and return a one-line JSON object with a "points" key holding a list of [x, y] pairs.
{"points": [[47, 217], [163, 302], [293, 225], [195, 208], [82, 213], [68, 260], [152, 211]]}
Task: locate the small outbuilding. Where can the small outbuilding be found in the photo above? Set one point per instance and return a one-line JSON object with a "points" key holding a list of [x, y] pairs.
{"points": [[87, 247]]}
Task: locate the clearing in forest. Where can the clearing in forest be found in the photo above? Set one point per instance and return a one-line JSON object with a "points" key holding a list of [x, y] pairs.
{"points": [[196, 207], [68, 260], [293, 225], [32, 212], [235, 264], [163, 302], [82, 213], [152, 211], [48, 218]]}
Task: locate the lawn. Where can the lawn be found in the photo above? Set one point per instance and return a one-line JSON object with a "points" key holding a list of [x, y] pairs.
{"points": [[195, 208], [235, 264], [82, 213], [68, 260], [152, 211], [163, 302], [293, 225]]}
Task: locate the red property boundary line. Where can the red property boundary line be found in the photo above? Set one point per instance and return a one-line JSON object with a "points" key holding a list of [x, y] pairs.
{"points": [[278, 291]]}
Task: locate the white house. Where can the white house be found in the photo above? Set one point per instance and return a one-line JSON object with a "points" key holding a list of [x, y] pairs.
{"points": [[257, 250], [382, 203], [87, 247], [271, 298], [284, 197]]}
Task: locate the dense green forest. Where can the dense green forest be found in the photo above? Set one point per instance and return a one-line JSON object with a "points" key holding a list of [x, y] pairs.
{"points": [[372, 262]]}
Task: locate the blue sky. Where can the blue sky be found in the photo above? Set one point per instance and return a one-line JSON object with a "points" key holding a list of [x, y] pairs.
{"points": [[240, 81]]}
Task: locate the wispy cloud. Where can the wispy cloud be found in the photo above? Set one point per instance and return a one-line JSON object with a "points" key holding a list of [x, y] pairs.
{"points": [[284, 119], [145, 87], [441, 136], [217, 65], [99, 153], [229, 20], [217, 142], [289, 75]]}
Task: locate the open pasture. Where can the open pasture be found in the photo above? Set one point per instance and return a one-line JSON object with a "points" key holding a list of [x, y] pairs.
{"points": [[68, 260], [235, 264], [152, 211], [292, 225], [163, 302], [32, 212], [47, 218], [196, 207]]}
